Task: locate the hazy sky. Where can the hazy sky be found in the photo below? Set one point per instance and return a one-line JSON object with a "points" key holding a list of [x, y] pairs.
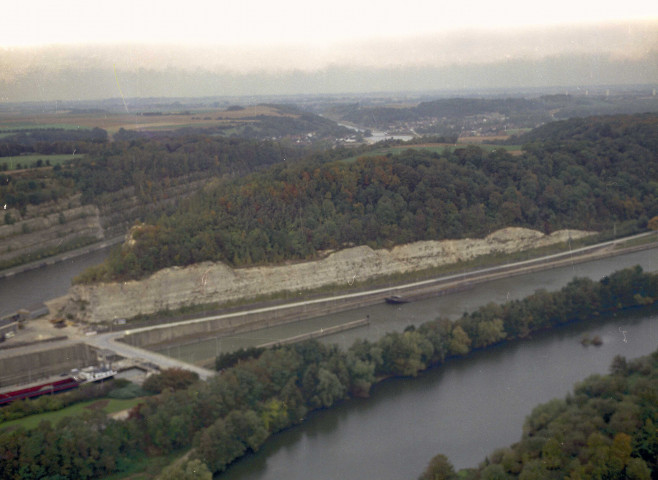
{"points": [[85, 49]]}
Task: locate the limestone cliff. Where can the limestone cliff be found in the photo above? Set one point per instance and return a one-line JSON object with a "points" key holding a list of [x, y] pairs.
{"points": [[215, 282], [46, 227]]}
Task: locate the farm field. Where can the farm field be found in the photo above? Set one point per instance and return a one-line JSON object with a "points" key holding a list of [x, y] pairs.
{"points": [[149, 120]]}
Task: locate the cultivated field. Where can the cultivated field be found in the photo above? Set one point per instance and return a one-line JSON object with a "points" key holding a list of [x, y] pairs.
{"points": [[134, 120]]}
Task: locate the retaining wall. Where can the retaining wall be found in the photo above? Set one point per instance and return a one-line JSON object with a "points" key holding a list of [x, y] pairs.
{"points": [[29, 367], [247, 321]]}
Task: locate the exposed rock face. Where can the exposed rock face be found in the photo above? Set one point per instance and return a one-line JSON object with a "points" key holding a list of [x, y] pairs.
{"points": [[47, 227], [215, 282]]}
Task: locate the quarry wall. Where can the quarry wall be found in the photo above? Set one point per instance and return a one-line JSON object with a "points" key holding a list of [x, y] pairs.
{"points": [[208, 282]]}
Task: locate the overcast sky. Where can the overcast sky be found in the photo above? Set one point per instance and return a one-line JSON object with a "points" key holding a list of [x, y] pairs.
{"points": [[85, 49]]}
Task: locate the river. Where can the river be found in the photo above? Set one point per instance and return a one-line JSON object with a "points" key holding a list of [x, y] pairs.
{"points": [[33, 287], [465, 409]]}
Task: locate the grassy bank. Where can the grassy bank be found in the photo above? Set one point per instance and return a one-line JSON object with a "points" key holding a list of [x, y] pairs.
{"points": [[106, 405]]}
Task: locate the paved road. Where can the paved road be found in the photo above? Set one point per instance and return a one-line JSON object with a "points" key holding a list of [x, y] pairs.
{"points": [[109, 341]]}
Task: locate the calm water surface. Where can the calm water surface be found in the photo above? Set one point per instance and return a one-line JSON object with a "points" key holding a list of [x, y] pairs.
{"points": [[36, 286], [464, 409]]}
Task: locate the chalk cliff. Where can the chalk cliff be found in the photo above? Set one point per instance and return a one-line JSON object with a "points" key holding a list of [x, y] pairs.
{"points": [[209, 282]]}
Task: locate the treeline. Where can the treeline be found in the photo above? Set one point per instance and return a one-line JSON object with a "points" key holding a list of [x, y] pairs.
{"points": [[292, 123], [236, 411], [623, 130], [49, 141], [150, 164], [296, 123], [606, 429], [295, 211], [20, 190], [520, 112]]}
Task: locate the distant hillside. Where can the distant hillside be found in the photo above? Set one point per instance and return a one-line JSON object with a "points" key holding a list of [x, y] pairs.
{"points": [[490, 115], [623, 130], [296, 211]]}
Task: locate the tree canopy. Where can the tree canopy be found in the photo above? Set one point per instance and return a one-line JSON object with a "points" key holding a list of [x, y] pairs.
{"points": [[582, 178]]}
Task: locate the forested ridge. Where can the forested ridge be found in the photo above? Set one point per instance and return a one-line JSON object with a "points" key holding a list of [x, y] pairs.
{"points": [[236, 411], [146, 165], [573, 174], [450, 108]]}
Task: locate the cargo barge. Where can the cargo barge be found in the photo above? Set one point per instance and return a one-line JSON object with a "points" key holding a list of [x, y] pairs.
{"points": [[62, 384]]}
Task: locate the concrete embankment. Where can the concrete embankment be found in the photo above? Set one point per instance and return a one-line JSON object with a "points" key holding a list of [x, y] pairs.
{"points": [[239, 322], [317, 333], [43, 362]]}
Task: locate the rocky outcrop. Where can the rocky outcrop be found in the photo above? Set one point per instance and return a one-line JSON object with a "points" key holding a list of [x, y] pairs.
{"points": [[208, 282]]}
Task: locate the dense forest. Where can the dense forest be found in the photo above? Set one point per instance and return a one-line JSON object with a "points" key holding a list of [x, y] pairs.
{"points": [[50, 141], [266, 391], [606, 429], [146, 165], [584, 174]]}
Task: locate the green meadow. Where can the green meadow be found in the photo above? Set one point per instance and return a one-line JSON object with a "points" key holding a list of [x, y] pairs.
{"points": [[111, 405]]}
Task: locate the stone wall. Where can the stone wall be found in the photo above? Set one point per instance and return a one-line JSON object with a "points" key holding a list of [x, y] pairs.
{"points": [[208, 282]]}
